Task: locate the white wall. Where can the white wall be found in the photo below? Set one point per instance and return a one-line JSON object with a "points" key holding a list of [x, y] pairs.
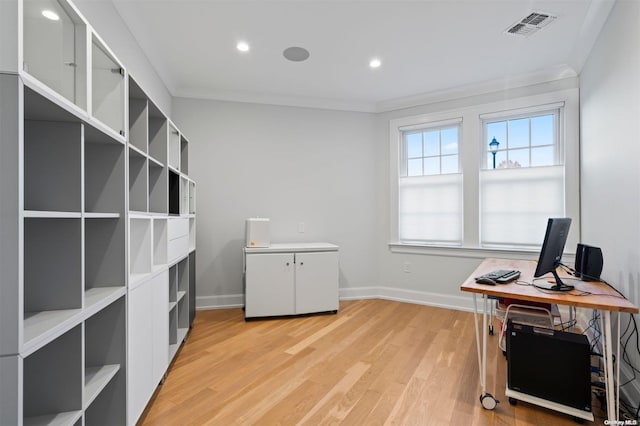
{"points": [[289, 164], [610, 127], [106, 21]]}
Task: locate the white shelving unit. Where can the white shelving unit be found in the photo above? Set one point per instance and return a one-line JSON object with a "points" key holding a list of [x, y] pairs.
{"points": [[161, 237], [86, 160]]}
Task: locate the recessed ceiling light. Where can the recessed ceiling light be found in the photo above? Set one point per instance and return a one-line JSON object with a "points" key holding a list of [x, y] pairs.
{"points": [[375, 63], [242, 46], [50, 14], [296, 54]]}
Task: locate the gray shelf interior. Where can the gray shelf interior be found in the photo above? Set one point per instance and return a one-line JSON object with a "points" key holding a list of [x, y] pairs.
{"points": [[53, 376], [137, 182], [192, 287], [192, 198], [184, 156], [39, 108], [104, 173], [52, 166], [183, 287], [173, 283], [105, 262], [183, 274], [52, 264], [173, 326], [105, 344], [138, 123], [183, 312], [158, 134], [158, 188], [174, 148]]}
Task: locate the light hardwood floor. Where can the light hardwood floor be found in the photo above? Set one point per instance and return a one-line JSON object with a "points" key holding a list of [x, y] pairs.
{"points": [[375, 362]]}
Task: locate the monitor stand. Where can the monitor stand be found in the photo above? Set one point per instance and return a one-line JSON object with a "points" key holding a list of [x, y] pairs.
{"points": [[558, 285]]}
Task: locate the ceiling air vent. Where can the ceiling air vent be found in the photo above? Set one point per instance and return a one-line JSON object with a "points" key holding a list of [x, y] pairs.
{"points": [[530, 24]]}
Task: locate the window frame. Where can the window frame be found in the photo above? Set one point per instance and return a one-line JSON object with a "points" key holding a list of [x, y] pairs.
{"points": [[471, 159], [556, 109], [440, 126]]}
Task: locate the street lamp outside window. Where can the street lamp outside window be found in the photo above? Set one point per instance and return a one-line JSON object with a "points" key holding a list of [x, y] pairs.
{"points": [[493, 148]]}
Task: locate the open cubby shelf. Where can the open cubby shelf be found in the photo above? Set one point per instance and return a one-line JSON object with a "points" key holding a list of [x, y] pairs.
{"points": [[52, 377], [104, 170], [158, 183], [138, 181], [158, 135], [52, 165]]}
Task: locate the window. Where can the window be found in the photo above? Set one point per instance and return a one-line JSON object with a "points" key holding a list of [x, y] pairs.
{"points": [[526, 187], [431, 151], [527, 141], [446, 197], [430, 185]]}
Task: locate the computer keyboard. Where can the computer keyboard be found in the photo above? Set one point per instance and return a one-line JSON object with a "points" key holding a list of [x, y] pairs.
{"points": [[500, 276]]}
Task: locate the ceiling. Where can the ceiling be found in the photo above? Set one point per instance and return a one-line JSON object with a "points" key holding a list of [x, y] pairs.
{"points": [[427, 47]]}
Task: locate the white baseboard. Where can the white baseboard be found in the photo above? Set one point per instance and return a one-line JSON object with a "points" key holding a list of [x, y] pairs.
{"points": [[228, 301], [461, 303]]}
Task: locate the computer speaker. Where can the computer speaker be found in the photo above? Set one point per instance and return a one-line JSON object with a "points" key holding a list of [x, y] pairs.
{"points": [[588, 262]]}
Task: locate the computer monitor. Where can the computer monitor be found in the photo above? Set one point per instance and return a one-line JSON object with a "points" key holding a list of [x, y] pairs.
{"points": [[551, 253]]}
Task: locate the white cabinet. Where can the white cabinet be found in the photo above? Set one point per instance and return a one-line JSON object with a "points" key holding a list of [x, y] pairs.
{"points": [[147, 341], [291, 279]]}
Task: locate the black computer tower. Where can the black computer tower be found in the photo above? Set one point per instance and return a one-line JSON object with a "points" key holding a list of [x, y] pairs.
{"points": [[549, 364]]}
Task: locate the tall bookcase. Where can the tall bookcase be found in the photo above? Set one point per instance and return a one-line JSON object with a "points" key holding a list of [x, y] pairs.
{"points": [[161, 241], [92, 253]]}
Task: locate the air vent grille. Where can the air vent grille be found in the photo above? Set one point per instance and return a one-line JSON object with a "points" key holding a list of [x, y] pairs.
{"points": [[530, 24]]}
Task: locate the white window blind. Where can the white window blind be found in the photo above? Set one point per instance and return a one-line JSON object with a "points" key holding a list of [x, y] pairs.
{"points": [[430, 209], [516, 203]]}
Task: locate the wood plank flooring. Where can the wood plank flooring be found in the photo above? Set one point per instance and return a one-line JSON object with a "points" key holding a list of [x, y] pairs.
{"points": [[376, 362]]}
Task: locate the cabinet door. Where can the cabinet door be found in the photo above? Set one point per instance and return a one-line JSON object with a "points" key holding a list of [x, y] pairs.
{"points": [[316, 282], [147, 341], [160, 324], [269, 285], [140, 384]]}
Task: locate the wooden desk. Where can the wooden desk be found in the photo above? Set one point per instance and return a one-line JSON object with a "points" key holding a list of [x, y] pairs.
{"points": [[602, 298]]}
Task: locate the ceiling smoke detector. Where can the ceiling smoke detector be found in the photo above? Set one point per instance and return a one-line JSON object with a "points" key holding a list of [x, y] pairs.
{"points": [[530, 24]]}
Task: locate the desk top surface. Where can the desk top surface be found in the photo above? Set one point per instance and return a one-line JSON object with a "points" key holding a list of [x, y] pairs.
{"points": [[601, 295]]}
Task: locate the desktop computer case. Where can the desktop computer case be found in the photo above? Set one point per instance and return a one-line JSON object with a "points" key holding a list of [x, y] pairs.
{"points": [[549, 364]]}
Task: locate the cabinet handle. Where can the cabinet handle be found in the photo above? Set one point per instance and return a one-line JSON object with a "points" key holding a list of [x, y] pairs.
{"points": [[301, 263], [287, 263]]}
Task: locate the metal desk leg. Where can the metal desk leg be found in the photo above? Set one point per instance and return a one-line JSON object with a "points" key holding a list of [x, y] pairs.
{"points": [[486, 399], [612, 391]]}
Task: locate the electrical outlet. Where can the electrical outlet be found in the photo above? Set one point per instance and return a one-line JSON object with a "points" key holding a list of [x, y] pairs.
{"points": [[301, 227], [407, 267]]}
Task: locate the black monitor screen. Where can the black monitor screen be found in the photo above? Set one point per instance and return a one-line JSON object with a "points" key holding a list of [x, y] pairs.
{"points": [[551, 254]]}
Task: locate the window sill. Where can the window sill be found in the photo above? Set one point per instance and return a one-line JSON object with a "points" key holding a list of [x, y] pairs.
{"points": [[470, 252]]}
